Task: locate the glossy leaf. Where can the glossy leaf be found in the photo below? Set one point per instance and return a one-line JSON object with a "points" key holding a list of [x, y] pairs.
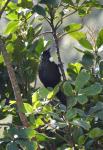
{"points": [[82, 99], [88, 60], [94, 89], [40, 10], [67, 88], [81, 80], [71, 101]]}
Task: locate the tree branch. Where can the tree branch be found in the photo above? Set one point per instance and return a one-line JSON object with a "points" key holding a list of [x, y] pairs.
{"points": [[3, 9], [14, 83], [12, 76], [57, 43], [60, 21]]}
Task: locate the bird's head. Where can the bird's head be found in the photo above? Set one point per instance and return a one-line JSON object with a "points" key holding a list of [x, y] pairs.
{"points": [[49, 54], [46, 54]]}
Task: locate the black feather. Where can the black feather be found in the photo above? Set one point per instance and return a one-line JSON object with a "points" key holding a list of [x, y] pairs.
{"points": [[49, 74]]}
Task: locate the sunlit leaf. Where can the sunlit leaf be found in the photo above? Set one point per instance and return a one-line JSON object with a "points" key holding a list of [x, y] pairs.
{"points": [[82, 39], [99, 41], [11, 27], [73, 27]]}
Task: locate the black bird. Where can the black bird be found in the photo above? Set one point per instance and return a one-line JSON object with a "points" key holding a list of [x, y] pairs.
{"points": [[49, 74]]}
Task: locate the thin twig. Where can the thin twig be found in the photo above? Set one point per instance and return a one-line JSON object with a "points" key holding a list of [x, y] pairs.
{"points": [[57, 43], [46, 32], [61, 137], [70, 32], [3, 9], [59, 22]]}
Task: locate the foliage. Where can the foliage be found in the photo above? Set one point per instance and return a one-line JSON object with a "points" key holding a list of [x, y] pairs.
{"points": [[80, 124]]}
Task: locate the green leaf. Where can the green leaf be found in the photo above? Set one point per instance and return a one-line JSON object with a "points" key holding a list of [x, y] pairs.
{"points": [[82, 39], [72, 113], [99, 41], [27, 145], [1, 59], [10, 48], [37, 46], [22, 132], [68, 1], [42, 137], [82, 123], [93, 90], [76, 132], [101, 68], [53, 92], [87, 60], [28, 108], [11, 27], [25, 4], [35, 97], [96, 108], [82, 11], [40, 10], [71, 101], [73, 27], [96, 132], [51, 2], [100, 115], [43, 92], [67, 88], [82, 99], [12, 146], [80, 112], [81, 80], [12, 16], [62, 125], [73, 70], [82, 140]]}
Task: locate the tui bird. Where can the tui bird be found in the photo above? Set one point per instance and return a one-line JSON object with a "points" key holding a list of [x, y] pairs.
{"points": [[49, 74]]}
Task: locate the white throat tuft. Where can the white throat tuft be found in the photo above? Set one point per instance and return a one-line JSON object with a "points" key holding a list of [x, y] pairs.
{"points": [[51, 59]]}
